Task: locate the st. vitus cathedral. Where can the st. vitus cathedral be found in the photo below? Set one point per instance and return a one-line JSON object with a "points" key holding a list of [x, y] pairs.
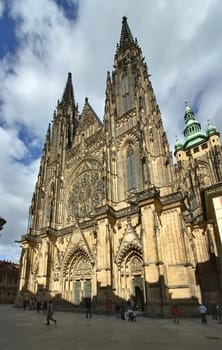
{"points": [[112, 217]]}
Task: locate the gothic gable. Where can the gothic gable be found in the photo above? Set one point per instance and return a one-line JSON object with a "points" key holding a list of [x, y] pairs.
{"points": [[130, 245], [74, 257], [77, 250], [88, 120]]}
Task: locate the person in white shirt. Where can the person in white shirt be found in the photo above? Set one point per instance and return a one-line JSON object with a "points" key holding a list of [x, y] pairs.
{"points": [[203, 313]]}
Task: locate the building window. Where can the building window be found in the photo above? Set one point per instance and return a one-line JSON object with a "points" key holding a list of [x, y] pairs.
{"points": [[204, 146], [126, 103], [196, 149], [124, 85], [125, 94], [145, 170], [131, 173]]}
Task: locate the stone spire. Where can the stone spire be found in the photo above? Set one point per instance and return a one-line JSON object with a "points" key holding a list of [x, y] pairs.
{"points": [[68, 95], [126, 38]]}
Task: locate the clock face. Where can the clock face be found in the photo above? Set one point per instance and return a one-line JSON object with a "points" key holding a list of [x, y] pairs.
{"points": [[86, 194]]}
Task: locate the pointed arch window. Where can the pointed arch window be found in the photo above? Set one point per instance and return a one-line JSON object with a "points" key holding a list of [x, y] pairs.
{"points": [[131, 169], [124, 85], [125, 93], [145, 170]]}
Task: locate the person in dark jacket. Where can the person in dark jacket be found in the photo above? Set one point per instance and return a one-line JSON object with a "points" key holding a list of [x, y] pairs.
{"points": [[122, 311], [50, 312], [88, 305]]}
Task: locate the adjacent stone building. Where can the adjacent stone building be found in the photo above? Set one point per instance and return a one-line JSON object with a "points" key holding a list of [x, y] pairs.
{"points": [[9, 279], [112, 217]]}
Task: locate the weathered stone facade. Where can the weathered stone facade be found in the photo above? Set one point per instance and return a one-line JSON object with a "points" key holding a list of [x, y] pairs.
{"points": [[112, 218]]}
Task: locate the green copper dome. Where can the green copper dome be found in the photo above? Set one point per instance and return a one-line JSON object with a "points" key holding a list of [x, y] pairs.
{"points": [[178, 145], [211, 129], [193, 134], [192, 131]]}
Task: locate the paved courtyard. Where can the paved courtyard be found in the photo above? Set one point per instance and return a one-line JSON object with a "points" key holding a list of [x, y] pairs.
{"points": [[23, 330]]}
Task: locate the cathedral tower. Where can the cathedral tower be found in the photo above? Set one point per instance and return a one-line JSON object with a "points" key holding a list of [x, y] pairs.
{"points": [[134, 130]]}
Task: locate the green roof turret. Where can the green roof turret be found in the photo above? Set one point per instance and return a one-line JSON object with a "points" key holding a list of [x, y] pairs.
{"points": [[178, 145], [211, 129], [192, 131]]}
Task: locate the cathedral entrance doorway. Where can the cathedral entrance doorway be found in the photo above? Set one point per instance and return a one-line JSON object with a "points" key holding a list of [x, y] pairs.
{"points": [[81, 291], [82, 272], [78, 272], [132, 272], [138, 292]]}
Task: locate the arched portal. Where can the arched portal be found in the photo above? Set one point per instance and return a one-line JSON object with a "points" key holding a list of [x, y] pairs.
{"points": [[132, 276], [136, 268], [78, 274]]}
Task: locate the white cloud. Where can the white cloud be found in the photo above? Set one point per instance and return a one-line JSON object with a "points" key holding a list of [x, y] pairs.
{"points": [[181, 42]]}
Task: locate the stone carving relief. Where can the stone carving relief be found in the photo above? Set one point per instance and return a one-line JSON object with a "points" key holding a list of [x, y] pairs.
{"points": [[82, 268], [37, 253], [136, 266], [85, 147], [204, 175]]}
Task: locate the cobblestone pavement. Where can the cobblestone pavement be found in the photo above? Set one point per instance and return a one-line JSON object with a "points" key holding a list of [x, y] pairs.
{"points": [[26, 330]]}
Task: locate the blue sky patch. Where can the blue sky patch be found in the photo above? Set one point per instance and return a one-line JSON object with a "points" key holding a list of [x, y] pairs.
{"points": [[8, 42], [69, 8], [33, 144]]}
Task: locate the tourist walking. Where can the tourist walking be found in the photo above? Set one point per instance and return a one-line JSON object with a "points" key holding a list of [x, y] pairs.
{"points": [[203, 313], [50, 312]]}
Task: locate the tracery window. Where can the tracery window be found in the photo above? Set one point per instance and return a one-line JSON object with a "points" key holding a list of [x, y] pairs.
{"points": [[125, 93], [131, 170], [124, 85], [145, 170]]}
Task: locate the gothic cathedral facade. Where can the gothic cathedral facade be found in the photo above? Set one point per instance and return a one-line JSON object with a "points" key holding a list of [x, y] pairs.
{"points": [[112, 217]]}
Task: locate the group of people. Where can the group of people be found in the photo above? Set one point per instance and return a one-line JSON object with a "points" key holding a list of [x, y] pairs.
{"points": [[215, 311], [129, 313], [126, 313], [47, 308], [34, 304]]}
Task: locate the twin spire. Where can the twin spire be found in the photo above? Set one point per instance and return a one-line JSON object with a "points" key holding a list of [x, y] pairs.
{"points": [[126, 37], [68, 95]]}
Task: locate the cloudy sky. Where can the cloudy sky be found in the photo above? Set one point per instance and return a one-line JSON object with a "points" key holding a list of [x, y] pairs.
{"points": [[41, 41]]}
